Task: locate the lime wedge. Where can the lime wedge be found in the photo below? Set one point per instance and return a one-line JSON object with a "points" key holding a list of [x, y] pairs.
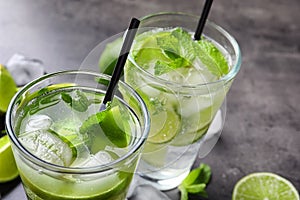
{"points": [[8, 168], [106, 127], [113, 126], [264, 186], [49, 146], [7, 88]]}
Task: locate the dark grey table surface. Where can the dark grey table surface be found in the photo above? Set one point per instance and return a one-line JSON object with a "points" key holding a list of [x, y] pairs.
{"points": [[262, 129]]}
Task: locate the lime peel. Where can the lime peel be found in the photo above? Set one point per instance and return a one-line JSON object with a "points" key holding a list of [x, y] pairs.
{"points": [[8, 88], [8, 171]]}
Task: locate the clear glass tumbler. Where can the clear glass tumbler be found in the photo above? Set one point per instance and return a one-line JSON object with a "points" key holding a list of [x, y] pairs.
{"points": [[55, 157], [187, 117]]}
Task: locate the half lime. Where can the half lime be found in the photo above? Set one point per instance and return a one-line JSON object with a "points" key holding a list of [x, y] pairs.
{"points": [[264, 186]]}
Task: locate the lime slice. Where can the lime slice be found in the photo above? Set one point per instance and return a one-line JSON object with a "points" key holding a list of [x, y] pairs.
{"points": [[49, 146], [264, 186], [8, 168], [7, 88], [184, 139], [164, 126], [114, 125]]}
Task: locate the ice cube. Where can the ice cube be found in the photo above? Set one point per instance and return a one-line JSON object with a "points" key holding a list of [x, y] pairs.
{"points": [[47, 146], [38, 122], [100, 158], [23, 69], [194, 104]]}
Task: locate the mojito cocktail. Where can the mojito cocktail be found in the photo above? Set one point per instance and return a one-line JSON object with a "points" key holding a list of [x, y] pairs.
{"points": [[65, 147], [183, 83]]}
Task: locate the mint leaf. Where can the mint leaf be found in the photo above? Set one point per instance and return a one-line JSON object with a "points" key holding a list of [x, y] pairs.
{"points": [[161, 67], [194, 189], [66, 98], [184, 193], [196, 181], [186, 44], [211, 57], [78, 101], [169, 44], [178, 47], [192, 177], [205, 174]]}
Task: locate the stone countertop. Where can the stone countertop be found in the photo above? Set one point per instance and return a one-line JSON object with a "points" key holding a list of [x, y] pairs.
{"points": [[262, 128]]}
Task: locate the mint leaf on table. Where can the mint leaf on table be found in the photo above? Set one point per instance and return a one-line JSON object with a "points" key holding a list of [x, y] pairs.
{"points": [[78, 102], [212, 57], [196, 182]]}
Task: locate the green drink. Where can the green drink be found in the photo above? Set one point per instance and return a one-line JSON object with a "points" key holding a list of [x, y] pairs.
{"points": [[65, 148], [184, 84]]}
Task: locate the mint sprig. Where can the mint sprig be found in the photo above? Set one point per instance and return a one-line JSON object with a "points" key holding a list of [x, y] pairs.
{"points": [[196, 182], [170, 50]]}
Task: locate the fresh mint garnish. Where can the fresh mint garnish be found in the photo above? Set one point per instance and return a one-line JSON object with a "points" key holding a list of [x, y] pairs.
{"points": [[196, 182], [172, 49], [78, 101], [178, 48], [169, 44], [212, 57]]}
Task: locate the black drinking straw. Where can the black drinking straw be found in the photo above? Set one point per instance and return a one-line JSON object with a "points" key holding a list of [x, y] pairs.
{"points": [[203, 19], [131, 32]]}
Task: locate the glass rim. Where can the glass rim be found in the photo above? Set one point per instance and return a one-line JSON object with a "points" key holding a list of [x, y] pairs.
{"points": [[228, 77], [75, 170]]}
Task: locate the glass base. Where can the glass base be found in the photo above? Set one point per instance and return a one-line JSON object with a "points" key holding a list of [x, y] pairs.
{"points": [[164, 184]]}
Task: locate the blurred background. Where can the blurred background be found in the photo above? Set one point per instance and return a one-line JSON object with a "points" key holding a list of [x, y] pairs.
{"points": [[262, 128]]}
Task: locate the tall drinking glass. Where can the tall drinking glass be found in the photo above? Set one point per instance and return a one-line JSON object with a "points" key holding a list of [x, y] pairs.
{"points": [[184, 96], [65, 148]]}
